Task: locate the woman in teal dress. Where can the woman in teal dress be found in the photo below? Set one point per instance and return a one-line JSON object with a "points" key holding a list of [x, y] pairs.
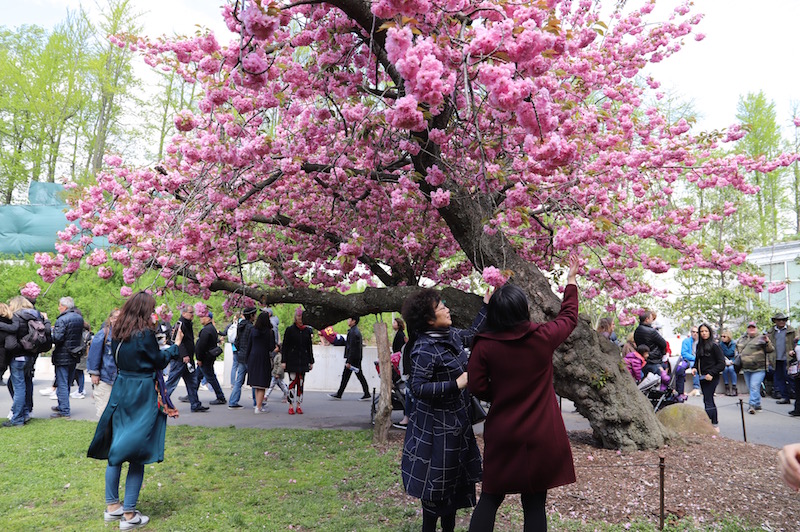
{"points": [[134, 424]]}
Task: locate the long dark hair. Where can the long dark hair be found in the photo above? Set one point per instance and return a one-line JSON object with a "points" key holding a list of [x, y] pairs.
{"points": [[508, 307], [135, 315], [704, 347], [263, 323]]}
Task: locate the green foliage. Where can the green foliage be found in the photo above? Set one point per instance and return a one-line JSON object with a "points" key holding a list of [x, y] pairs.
{"points": [[716, 298], [62, 92], [764, 139]]}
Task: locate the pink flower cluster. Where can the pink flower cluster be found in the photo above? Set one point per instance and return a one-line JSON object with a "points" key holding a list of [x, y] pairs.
{"points": [[31, 290], [306, 134], [494, 277]]}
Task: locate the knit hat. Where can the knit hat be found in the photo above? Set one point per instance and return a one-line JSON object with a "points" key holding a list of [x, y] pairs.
{"points": [[249, 311]]}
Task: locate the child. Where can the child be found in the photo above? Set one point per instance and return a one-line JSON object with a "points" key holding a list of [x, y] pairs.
{"points": [[635, 361], [277, 378]]}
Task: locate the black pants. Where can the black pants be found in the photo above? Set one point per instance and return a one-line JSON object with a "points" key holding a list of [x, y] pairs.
{"points": [[346, 379], [429, 521], [708, 387], [532, 507]]}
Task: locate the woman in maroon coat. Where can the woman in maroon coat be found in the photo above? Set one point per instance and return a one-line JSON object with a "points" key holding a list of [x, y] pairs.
{"points": [[526, 447]]}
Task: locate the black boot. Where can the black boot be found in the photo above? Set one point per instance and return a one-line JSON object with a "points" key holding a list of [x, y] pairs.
{"points": [[734, 392], [728, 390]]}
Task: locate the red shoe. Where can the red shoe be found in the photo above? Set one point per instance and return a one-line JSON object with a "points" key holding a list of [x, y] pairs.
{"points": [[291, 411], [299, 410]]}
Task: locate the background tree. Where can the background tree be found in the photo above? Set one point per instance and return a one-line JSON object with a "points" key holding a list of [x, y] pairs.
{"points": [[418, 143], [764, 140]]}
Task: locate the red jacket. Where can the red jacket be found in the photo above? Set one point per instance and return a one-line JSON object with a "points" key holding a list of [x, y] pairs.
{"points": [[526, 446]]}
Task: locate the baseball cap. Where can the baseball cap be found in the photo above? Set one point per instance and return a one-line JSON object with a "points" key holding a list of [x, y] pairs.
{"points": [[752, 324]]}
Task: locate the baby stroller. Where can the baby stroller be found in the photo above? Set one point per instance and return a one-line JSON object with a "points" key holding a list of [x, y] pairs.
{"points": [[651, 387], [398, 393]]}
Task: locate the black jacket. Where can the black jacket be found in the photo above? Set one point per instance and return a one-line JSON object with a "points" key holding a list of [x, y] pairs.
{"points": [[354, 347], [187, 344], [243, 330], [297, 349], [710, 362], [647, 335], [6, 326], [67, 337], [206, 340]]}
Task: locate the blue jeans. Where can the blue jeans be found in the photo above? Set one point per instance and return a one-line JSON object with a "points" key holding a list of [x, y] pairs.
{"points": [[211, 378], [178, 369], [18, 411], [78, 378], [63, 378], [133, 484], [753, 379], [729, 375], [240, 370]]}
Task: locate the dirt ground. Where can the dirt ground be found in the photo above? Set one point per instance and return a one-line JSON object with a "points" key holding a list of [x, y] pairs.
{"points": [[705, 479]]}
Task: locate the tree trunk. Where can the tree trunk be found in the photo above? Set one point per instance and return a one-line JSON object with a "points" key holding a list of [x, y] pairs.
{"points": [[383, 416]]}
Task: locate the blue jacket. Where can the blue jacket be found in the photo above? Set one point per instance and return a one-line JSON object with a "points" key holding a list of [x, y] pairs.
{"points": [[67, 337], [101, 358], [729, 349], [687, 353]]}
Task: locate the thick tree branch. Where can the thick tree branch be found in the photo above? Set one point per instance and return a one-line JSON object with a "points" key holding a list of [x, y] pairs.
{"points": [[325, 308]]}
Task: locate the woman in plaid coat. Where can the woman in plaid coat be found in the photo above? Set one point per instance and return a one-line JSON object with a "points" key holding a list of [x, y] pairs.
{"points": [[441, 463]]}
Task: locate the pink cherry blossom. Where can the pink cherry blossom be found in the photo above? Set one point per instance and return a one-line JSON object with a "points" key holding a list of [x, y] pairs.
{"points": [[31, 290]]}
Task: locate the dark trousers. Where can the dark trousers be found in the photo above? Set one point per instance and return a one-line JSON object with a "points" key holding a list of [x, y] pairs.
{"points": [[784, 385], [533, 509], [178, 370], [346, 378], [211, 379], [708, 387]]}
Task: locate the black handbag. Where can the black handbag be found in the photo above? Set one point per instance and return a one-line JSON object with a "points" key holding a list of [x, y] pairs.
{"points": [[477, 413], [214, 352], [737, 363]]}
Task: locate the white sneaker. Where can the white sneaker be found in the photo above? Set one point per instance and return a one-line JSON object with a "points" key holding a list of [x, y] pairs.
{"points": [[138, 520], [46, 391], [77, 395], [256, 410], [10, 414], [54, 396]]}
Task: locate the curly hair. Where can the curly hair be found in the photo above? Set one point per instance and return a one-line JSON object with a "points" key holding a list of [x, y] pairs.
{"points": [[419, 309]]}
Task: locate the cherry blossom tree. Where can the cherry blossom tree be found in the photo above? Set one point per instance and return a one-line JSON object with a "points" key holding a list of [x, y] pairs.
{"points": [[404, 142]]}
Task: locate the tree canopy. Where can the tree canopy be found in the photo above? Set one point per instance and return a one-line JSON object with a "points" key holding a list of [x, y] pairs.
{"points": [[403, 142]]}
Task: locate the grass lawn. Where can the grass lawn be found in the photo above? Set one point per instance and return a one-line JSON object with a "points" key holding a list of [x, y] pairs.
{"points": [[227, 479]]}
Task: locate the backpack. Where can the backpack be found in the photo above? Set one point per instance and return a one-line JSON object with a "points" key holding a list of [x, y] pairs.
{"points": [[240, 339], [38, 339], [86, 341]]}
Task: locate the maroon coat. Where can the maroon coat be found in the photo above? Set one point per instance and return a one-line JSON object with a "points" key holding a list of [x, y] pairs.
{"points": [[526, 446]]}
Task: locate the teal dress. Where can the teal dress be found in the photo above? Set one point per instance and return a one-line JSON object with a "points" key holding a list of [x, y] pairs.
{"points": [[132, 428]]}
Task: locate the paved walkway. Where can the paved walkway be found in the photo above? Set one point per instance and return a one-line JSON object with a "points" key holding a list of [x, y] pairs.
{"points": [[771, 427]]}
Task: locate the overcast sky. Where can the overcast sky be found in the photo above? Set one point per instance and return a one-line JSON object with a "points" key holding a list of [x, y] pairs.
{"points": [[749, 46]]}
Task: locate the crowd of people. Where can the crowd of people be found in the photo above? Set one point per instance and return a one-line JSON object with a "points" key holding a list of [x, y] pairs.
{"points": [[768, 361], [137, 343]]}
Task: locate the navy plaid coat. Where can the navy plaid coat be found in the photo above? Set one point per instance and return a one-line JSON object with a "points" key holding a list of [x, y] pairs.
{"points": [[441, 462]]}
